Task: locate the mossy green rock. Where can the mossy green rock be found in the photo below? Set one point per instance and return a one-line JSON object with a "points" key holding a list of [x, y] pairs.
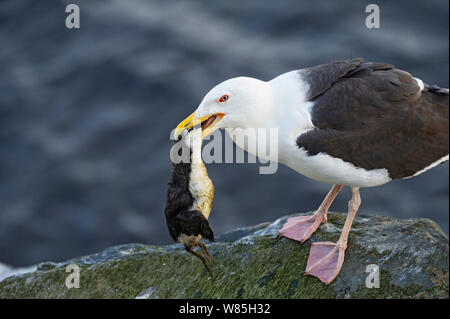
{"points": [[412, 256]]}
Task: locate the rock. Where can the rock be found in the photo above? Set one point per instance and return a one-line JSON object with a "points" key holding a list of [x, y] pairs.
{"points": [[8, 271], [412, 256]]}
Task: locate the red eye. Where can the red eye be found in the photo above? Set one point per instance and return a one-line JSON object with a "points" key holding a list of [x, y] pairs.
{"points": [[224, 98]]}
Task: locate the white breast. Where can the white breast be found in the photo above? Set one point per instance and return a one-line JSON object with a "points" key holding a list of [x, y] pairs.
{"points": [[325, 168]]}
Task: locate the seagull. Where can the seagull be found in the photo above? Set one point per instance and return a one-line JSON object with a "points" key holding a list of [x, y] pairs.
{"points": [[345, 123]]}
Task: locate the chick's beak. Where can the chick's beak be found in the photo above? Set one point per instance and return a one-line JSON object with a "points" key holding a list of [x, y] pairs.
{"points": [[207, 122]]}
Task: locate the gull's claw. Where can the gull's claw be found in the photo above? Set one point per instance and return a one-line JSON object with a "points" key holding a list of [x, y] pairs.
{"points": [[302, 227], [325, 261]]}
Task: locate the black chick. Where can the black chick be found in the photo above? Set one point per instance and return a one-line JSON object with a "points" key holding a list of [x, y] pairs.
{"points": [[190, 194]]}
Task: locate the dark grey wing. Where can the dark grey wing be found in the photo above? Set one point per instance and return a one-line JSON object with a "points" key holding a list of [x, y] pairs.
{"points": [[376, 116], [322, 77]]}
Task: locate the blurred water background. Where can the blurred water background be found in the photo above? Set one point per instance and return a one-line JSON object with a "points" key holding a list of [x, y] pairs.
{"points": [[85, 114]]}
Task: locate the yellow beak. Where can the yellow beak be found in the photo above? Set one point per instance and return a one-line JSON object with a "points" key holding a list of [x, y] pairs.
{"points": [[189, 122]]}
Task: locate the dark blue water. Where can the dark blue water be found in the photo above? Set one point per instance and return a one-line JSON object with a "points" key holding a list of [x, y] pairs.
{"points": [[85, 114]]}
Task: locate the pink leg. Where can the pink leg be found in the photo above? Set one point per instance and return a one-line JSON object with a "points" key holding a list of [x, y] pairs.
{"points": [[302, 227], [326, 258]]}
